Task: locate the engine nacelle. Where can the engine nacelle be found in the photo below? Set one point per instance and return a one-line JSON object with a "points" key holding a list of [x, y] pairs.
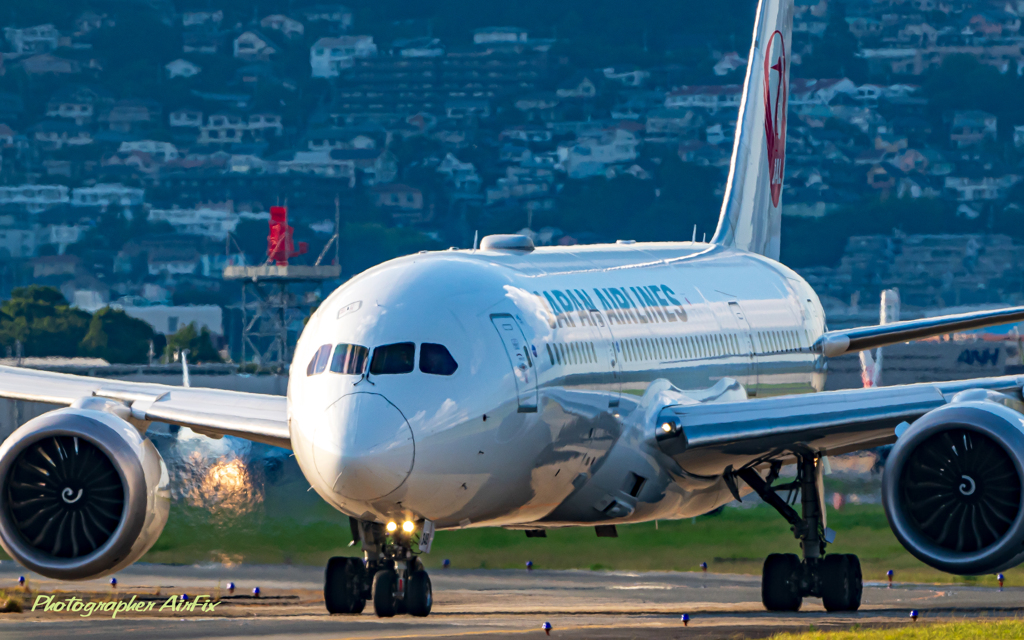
{"points": [[953, 487], [82, 492]]}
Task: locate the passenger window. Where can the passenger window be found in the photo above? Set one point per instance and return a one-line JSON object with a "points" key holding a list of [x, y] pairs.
{"points": [[551, 356], [350, 359], [393, 358], [435, 359], [319, 361]]}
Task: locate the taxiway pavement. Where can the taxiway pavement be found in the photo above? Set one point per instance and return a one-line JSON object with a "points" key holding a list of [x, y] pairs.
{"points": [[475, 604]]}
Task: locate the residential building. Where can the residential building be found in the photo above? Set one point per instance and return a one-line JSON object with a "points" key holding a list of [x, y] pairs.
{"points": [[186, 118], [57, 134], [162, 150], [214, 221], [201, 18], [337, 15], [34, 197], [107, 195], [593, 153], [405, 203], [710, 97], [729, 62], [289, 27], [970, 128], [328, 56], [46, 64], [77, 102], [254, 46], [499, 35], [31, 40], [578, 86], [182, 68]]}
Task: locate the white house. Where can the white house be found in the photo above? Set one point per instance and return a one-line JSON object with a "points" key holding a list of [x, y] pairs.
{"points": [[320, 163], [710, 97], [592, 153], [253, 46], [223, 128], [499, 35], [328, 56], [105, 195], [335, 14], [629, 75], [34, 197], [182, 68], [33, 40], [163, 150], [199, 18], [969, 188], [728, 63], [263, 123], [213, 221], [186, 118], [803, 91], [61, 235], [290, 27]]}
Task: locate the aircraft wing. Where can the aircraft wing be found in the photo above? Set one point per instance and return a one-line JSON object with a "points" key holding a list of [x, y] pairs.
{"points": [[708, 438], [837, 343], [213, 412]]}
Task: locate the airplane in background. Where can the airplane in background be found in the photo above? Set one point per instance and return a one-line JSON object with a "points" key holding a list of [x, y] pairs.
{"points": [[539, 387]]}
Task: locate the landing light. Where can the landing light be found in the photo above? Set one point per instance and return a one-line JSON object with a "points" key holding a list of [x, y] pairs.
{"points": [[408, 526], [392, 527], [667, 427]]}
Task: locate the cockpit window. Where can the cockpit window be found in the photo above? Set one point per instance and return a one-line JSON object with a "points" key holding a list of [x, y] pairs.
{"points": [[349, 358], [319, 362], [393, 358], [435, 359]]}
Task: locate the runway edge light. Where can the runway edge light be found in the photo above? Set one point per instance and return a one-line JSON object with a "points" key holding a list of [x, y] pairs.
{"points": [[547, 628], [686, 619]]}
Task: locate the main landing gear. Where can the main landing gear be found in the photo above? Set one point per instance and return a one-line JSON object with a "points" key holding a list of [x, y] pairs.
{"points": [[786, 580], [389, 576]]}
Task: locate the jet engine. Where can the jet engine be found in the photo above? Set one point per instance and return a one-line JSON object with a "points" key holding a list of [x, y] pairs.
{"points": [[952, 487], [82, 492]]}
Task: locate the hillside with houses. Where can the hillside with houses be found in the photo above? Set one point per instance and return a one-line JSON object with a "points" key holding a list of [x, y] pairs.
{"points": [[142, 143]]}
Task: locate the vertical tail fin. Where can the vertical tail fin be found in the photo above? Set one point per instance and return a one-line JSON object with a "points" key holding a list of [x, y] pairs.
{"points": [[751, 217], [871, 368]]}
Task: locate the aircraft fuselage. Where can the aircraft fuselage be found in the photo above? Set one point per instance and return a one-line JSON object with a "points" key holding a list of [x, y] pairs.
{"points": [[552, 352]]}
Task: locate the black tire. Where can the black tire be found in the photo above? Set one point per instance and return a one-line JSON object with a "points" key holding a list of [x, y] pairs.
{"points": [[838, 580], [856, 582], [343, 584], [385, 582], [419, 598], [780, 582]]}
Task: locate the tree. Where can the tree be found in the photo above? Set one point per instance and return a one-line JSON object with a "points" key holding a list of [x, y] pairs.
{"points": [[835, 55], [42, 321], [198, 342], [117, 337]]}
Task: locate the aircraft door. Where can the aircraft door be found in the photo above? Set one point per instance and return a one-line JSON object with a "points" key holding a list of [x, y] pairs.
{"points": [[607, 340], [746, 344], [519, 356]]}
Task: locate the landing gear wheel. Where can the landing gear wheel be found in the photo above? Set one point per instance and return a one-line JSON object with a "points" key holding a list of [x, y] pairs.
{"points": [[857, 582], [841, 582], [418, 596], [385, 583], [343, 582], [780, 582]]}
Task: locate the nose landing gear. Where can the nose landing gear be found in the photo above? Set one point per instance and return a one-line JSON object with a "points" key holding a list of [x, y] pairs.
{"points": [[389, 576], [786, 580]]}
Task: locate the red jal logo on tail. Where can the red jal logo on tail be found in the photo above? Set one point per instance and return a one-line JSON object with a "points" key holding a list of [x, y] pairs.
{"points": [[776, 95]]}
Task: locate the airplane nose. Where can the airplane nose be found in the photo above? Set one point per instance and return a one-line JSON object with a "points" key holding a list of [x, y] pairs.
{"points": [[364, 447]]}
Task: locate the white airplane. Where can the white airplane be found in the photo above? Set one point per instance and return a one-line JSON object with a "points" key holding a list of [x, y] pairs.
{"points": [[533, 388]]}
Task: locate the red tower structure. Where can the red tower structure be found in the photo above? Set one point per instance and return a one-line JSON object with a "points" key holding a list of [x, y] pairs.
{"points": [[280, 245]]}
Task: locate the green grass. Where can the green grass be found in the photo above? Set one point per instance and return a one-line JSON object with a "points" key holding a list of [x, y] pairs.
{"points": [[735, 541], [1002, 630]]}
